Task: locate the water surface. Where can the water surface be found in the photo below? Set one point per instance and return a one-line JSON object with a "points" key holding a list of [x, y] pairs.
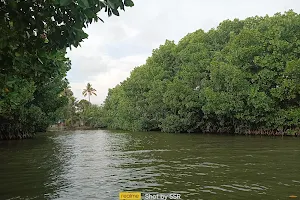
{"points": [[100, 164]]}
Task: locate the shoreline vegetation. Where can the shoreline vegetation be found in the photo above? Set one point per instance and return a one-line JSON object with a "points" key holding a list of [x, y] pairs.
{"points": [[34, 65], [242, 77], [246, 133]]}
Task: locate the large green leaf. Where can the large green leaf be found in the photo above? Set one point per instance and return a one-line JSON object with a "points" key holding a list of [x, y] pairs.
{"points": [[128, 3], [115, 11], [65, 2], [111, 4], [122, 6], [83, 3], [109, 12]]}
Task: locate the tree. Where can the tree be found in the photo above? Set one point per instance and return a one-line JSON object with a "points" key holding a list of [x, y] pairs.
{"points": [[242, 77], [88, 91], [33, 58]]}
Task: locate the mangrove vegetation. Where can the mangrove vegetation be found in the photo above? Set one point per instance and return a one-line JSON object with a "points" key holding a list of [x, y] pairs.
{"points": [[34, 37], [241, 77]]}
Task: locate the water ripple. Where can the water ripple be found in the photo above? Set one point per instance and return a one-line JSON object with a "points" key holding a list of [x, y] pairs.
{"points": [[100, 164]]}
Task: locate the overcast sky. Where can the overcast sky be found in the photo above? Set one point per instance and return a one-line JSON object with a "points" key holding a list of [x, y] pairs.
{"points": [[115, 47]]}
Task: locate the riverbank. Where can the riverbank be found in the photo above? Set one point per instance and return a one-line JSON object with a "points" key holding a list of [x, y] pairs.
{"points": [[66, 128], [294, 133], [289, 133]]}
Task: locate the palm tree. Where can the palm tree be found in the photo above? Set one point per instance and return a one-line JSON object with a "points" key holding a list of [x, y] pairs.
{"points": [[89, 91], [68, 92]]}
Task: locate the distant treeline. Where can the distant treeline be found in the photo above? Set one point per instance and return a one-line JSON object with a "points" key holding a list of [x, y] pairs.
{"points": [[242, 77]]}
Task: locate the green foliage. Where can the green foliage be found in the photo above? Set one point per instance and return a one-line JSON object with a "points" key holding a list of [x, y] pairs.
{"points": [[81, 114], [242, 76], [94, 117], [34, 36]]}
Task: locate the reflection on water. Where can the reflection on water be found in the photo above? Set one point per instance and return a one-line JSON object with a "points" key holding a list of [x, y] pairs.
{"points": [[100, 164], [30, 169]]}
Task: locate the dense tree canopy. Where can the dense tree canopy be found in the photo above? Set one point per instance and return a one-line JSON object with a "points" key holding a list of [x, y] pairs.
{"points": [[241, 77], [34, 35]]}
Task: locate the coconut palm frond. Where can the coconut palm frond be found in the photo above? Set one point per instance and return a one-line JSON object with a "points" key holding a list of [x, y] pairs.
{"points": [[89, 90]]}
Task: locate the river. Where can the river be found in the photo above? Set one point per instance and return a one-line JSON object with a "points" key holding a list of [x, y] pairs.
{"points": [[99, 164]]}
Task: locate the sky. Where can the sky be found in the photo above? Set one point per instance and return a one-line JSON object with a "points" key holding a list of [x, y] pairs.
{"points": [[114, 48]]}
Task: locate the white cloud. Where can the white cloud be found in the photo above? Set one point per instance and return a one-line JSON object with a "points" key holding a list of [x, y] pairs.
{"points": [[119, 69], [115, 47]]}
